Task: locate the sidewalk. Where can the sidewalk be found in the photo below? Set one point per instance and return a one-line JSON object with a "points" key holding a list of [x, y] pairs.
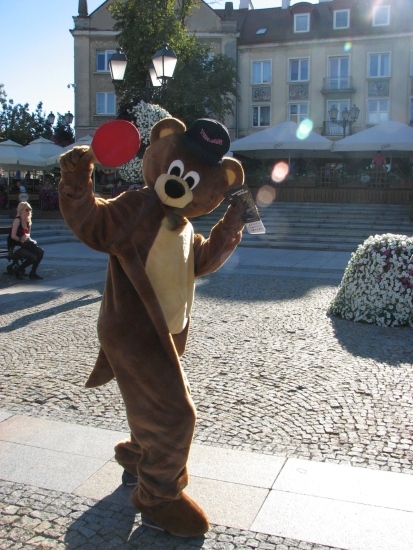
{"points": [[328, 504], [254, 500], [251, 261]]}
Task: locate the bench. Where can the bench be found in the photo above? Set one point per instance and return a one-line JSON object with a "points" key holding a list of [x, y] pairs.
{"points": [[4, 250]]}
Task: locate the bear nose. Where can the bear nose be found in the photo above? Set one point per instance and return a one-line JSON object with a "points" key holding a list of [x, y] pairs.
{"points": [[174, 189]]}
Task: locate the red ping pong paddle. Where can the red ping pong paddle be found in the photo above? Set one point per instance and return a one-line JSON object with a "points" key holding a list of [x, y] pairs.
{"points": [[115, 143]]}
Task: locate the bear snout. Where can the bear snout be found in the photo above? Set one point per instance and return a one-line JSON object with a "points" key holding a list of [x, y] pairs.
{"points": [[174, 189]]}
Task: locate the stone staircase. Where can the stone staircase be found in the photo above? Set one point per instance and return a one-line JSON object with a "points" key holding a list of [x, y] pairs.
{"points": [[48, 231], [317, 226], [312, 226]]}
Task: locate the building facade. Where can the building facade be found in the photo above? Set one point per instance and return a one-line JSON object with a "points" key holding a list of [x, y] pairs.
{"points": [[294, 62]]}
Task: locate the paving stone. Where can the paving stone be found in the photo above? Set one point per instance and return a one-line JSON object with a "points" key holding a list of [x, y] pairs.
{"points": [[271, 372]]}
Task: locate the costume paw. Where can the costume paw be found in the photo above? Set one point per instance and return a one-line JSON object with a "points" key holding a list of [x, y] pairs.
{"points": [[182, 517], [77, 167], [233, 217]]}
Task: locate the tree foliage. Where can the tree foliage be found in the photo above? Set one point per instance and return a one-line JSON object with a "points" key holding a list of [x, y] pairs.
{"points": [[18, 124], [204, 84]]}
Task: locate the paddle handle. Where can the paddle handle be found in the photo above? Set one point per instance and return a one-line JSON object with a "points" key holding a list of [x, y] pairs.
{"points": [[93, 156]]}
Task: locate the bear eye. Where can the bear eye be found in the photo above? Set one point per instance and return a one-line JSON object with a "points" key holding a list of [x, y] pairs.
{"points": [[176, 168], [192, 179]]}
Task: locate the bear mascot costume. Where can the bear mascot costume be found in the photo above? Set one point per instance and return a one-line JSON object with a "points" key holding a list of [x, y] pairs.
{"points": [[154, 257]]}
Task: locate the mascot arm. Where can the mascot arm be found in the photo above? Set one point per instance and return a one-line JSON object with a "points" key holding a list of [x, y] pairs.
{"points": [[99, 223], [212, 253]]}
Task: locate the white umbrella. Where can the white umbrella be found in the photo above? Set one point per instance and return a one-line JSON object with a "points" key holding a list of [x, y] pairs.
{"points": [[44, 147], [53, 160], [15, 157], [285, 137], [389, 136]]}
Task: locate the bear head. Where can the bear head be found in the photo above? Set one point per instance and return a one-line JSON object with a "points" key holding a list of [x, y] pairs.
{"points": [[187, 167]]}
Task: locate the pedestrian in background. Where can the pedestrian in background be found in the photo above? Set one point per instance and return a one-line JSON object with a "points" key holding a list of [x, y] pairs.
{"points": [[28, 251]]}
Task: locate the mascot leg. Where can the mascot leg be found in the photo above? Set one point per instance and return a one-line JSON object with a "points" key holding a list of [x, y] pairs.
{"points": [[161, 418]]}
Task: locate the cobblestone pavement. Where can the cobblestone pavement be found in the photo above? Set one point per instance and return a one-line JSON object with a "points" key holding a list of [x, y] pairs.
{"points": [[270, 372]]}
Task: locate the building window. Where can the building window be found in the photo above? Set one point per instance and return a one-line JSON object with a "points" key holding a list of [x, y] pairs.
{"points": [[261, 72], [102, 60], [381, 16], [341, 19], [105, 103], [299, 70], [260, 116], [338, 73], [379, 65], [297, 112], [261, 31], [301, 22], [377, 111]]}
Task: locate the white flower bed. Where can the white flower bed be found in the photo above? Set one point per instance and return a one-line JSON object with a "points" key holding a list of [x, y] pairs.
{"points": [[144, 116], [377, 285]]}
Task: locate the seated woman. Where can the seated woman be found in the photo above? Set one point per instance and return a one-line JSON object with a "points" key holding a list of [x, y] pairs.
{"points": [[28, 251]]}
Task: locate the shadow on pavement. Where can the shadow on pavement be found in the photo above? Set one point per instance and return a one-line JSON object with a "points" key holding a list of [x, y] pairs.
{"points": [[113, 523], [258, 288], [390, 345], [106, 524], [25, 320]]}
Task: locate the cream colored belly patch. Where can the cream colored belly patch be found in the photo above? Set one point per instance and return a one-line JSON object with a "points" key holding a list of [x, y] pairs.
{"points": [[170, 268]]}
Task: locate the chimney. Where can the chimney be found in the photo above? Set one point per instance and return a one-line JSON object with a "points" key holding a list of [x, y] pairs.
{"points": [[229, 7], [285, 4], [82, 8]]}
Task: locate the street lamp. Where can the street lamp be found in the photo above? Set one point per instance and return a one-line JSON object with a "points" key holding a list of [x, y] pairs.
{"points": [[160, 70], [117, 65], [51, 118], [347, 116], [68, 118], [164, 62]]}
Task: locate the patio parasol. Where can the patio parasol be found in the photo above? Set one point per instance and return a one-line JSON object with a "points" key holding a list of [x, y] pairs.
{"points": [[391, 136], [280, 140], [44, 148]]}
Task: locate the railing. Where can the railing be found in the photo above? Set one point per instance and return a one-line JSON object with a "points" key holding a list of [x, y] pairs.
{"points": [[335, 129], [337, 84]]}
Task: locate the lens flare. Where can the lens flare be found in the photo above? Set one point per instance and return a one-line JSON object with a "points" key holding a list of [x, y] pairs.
{"points": [[347, 46], [279, 172], [265, 196], [304, 129]]}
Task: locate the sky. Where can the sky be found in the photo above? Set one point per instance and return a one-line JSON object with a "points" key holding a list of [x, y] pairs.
{"points": [[36, 63]]}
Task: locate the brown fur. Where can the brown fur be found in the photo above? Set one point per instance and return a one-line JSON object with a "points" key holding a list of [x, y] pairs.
{"points": [[136, 345]]}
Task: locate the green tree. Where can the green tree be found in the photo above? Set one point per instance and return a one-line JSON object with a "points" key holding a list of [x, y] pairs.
{"points": [[18, 124], [63, 133], [203, 85]]}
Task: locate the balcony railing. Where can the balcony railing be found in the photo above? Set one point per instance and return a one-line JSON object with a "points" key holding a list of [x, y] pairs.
{"points": [[334, 129], [338, 84]]}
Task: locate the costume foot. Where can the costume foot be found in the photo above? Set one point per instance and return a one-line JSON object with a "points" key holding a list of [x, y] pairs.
{"points": [[182, 517], [34, 276], [128, 479], [149, 523]]}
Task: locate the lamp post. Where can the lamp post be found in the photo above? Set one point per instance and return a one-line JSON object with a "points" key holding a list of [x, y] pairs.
{"points": [[161, 69], [347, 116], [68, 118]]}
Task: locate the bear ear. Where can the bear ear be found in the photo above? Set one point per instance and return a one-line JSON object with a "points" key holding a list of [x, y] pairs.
{"points": [[234, 170], [165, 127]]}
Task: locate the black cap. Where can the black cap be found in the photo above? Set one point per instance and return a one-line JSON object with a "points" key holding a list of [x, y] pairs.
{"points": [[207, 139]]}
